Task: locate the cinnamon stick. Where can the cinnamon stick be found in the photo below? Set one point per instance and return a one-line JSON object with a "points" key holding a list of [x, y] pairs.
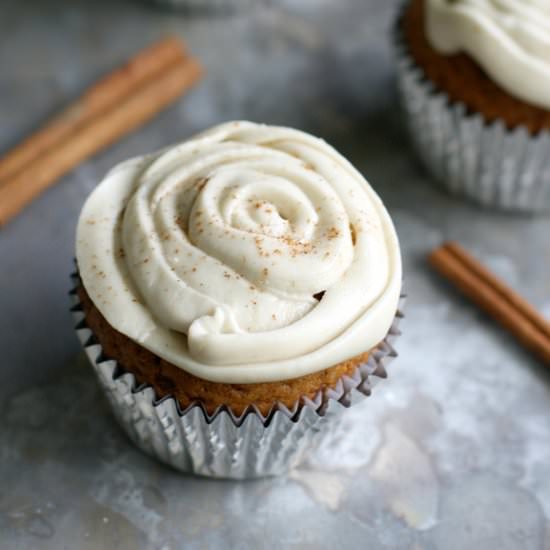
{"points": [[99, 132], [494, 297], [101, 96]]}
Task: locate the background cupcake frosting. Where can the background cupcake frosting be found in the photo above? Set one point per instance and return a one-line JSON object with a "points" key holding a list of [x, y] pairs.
{"points": [[249, 253], [510, 39]]}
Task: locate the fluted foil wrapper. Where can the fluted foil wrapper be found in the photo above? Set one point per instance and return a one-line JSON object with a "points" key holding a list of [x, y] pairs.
{"points": [[486, 162], [222, 444]]}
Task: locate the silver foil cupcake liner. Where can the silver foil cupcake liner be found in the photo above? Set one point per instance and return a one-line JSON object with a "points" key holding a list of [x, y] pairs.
{"points": [[221, 444], [486, 162]]}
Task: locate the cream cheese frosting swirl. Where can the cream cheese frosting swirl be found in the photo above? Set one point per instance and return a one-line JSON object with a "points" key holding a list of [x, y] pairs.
{"points": [[509, 39], [249, 253]]}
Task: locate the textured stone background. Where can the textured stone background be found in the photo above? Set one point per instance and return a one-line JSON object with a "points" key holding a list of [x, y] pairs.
{"points": [[453, 451]]}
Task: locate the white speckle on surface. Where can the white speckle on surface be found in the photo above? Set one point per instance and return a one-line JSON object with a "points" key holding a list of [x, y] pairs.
{"points": [[408, 479], [325, 488], [484, 511], [351, 443], [118, 489]]}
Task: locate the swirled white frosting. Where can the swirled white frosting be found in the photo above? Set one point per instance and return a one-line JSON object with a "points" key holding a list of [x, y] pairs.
{"points": [[509, 39], [210, 254]]}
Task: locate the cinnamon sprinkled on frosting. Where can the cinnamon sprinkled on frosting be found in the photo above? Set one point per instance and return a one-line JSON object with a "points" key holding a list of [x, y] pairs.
{"points": [[242, 215]]}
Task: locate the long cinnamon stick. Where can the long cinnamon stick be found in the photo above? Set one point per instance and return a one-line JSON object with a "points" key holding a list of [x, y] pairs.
{"points": [[494, 297], [99, 132], [101, 96]]}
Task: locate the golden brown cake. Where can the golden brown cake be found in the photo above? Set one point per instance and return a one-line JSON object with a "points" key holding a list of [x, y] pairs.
{"points": [[167, 379]]}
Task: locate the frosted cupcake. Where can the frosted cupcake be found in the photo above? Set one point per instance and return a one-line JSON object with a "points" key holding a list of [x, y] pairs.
{"points": [[230, 288], [474, 77]]}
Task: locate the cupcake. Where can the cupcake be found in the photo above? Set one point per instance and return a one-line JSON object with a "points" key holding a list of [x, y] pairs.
{"points": [[474, 79], [233, 292]]}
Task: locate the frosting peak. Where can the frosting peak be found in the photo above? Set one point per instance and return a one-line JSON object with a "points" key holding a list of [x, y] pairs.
{"points": [[510, 39], [214, 254]]}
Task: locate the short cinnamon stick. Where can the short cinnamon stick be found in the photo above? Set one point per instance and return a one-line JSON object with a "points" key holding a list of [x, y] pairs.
{"points": [[99, 132], [101, 96], [494, 297]]}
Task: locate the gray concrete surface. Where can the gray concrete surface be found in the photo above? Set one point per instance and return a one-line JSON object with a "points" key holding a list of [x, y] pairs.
{"points": [[452, 451]]}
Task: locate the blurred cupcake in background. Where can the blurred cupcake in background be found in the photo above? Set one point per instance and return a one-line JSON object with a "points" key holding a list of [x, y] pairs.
{"points": [[235, 291], [474, 79]]}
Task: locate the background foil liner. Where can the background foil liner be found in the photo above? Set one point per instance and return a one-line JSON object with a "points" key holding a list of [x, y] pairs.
{"points": [[223, 445], [494, 166]]}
